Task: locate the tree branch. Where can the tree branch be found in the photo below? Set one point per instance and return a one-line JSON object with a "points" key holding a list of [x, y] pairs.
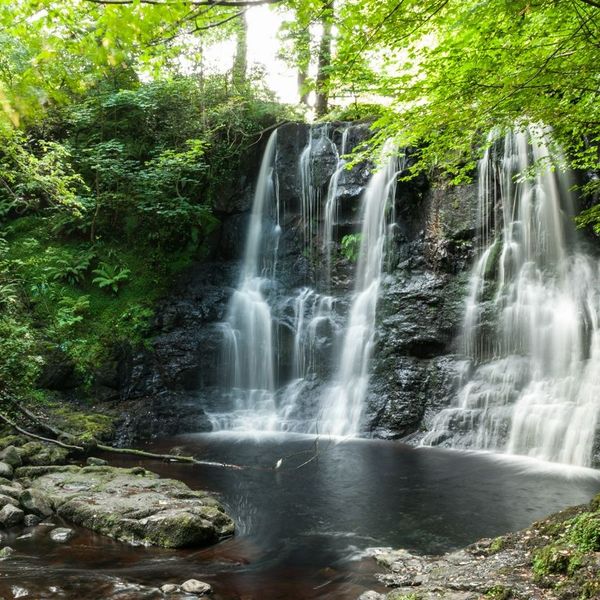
{"points": [[591, 3], [224, 3]]}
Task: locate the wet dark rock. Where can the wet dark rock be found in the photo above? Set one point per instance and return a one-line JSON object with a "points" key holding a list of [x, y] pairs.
{"points": [[166, 413], [31, 520], [234, 231], [10, 516], [134, 505], [58, 371]]}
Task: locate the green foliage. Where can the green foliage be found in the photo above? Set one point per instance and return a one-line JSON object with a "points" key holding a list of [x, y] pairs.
{"points": [[590, 217], [497, 545], [36, 174], [71, 267], [499, 592], [110, 276], [351, 246], [357, 111], [585, 532], [551, 560]]}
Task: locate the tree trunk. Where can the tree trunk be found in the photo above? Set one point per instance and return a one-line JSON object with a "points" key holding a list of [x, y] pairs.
{"points": [[324, 64], [240, 61]]}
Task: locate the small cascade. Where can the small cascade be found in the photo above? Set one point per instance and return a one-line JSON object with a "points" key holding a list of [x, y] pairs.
{"points": [[311, 191], [331, 204], [343, 404], [531, 324]]}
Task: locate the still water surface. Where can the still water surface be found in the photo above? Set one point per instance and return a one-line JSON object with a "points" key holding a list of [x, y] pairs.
{"points": [[302, 532]]}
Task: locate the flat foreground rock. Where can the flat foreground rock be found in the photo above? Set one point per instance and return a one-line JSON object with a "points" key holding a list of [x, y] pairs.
{"points": [[131, 505]]}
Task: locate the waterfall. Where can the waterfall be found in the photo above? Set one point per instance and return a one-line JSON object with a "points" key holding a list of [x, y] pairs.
{"points": [[343, 404], [278, 343], [531, 324], [248, 354]]}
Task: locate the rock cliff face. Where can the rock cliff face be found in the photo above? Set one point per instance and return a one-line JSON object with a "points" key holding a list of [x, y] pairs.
{"points": [[167, 387]]}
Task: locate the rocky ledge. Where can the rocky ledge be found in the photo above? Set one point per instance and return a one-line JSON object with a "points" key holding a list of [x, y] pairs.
{"points": [[129, 505], [555, 559]]}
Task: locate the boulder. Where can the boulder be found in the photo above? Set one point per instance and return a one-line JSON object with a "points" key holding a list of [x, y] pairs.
{"points": [[133, 505], [169, 588], [36, 502], [14, 489], [11, 456], [6, 552], [5, 499], [6, 470], [92, 461], [11, 515]]}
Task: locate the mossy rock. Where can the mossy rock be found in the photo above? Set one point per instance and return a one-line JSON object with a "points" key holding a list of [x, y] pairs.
{"points": [[132, 505], [84, 425]]}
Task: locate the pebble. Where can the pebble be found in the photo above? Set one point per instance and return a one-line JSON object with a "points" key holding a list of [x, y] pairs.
{"points": [[61, 534], [193, 586]]}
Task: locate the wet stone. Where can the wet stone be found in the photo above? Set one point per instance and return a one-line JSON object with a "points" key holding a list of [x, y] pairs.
{"points": [[193, 586], [11, 515], [11, 456], [6, 552], [6, 470], [61, 534], [36, 502], [31, 520], [92, 461], [4, 500], [169, 588]]}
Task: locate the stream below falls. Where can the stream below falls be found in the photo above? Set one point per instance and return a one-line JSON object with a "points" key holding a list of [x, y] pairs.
{"points": [[302, 532]]}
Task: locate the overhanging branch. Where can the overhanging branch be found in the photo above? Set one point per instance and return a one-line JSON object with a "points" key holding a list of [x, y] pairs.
{"points": [[224, 3]]}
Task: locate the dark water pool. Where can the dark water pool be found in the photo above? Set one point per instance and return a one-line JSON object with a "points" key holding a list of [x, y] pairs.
{"points": [[302, 531]]}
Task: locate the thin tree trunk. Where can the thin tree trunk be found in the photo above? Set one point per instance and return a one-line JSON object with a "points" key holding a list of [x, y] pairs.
{"points": [[324, 63], [240, 62]]}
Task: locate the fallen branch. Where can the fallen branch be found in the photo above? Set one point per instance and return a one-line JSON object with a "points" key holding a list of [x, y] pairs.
{"points": [[103, 447], [169, 457], [38, 437]]}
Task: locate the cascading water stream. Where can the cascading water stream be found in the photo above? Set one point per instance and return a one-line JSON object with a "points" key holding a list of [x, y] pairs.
{"points": [[331, 204], [531, 325], [248, 352], [343, 404]]}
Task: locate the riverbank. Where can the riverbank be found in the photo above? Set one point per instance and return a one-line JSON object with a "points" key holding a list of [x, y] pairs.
{"points": [[557, 558]]}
